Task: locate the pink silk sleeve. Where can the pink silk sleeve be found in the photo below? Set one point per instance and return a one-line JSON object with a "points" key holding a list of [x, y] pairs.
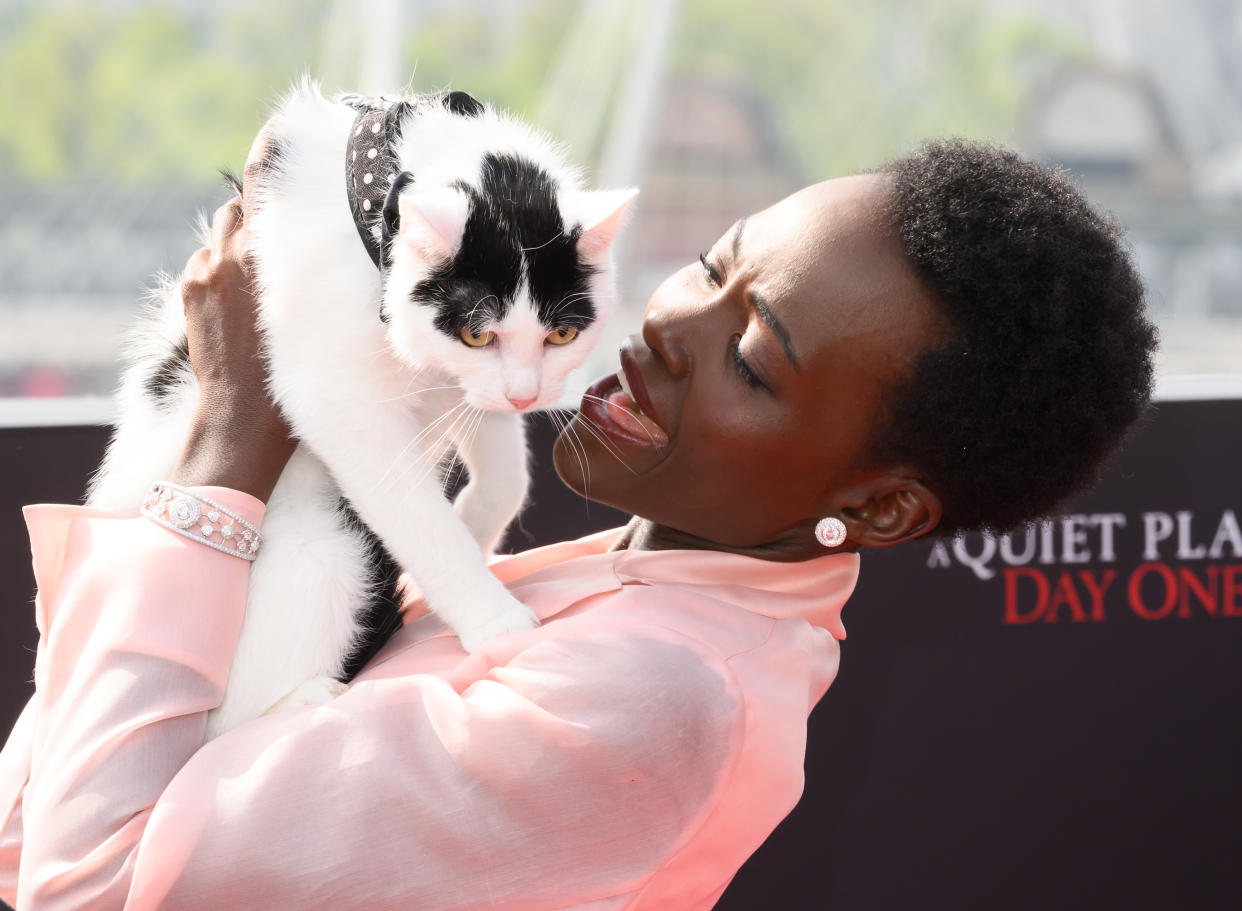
{"points": [[137, 631], [563, 777]]}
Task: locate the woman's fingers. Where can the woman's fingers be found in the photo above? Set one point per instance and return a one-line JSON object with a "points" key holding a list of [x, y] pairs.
{"points": [[207, 265], [194, 278], [198, 264], [238, 437], [224, 226], [218, 299]]}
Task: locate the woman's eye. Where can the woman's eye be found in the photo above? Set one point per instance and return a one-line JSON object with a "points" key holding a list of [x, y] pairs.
{"points": [[481, 340], [713, 277], [749, 376], [561, 336]]}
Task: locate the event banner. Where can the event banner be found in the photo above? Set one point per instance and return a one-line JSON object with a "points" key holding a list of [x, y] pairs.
{"points": [[1184, 570]]}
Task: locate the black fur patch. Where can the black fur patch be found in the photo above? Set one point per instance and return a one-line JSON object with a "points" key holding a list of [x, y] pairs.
{"points": [[382, 617], [514, 230], [170, 373], [391, 222], [463, 104]]}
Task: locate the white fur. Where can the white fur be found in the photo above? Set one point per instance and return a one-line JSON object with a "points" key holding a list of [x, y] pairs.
{"points": [[376, 408]]}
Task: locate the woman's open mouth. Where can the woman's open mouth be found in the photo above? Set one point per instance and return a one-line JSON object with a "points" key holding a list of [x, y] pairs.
{"points": [[611, 406]]}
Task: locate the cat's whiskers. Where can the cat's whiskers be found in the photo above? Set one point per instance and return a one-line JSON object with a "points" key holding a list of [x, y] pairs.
{"points": [[553, 239], [629, 411], [565, 301], [410, 395], [607, 444], [470, 421], [478, 304], [571, 434], [575, 446], [411, 377], [414, 441], [579, 451], [386, 348], [449, 435], [474, 421]]}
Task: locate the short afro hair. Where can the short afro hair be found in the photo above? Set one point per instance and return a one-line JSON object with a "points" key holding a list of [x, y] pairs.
{"points": [[1046, 359]]}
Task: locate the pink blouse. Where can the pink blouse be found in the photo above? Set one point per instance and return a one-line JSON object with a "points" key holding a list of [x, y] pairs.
{"points": [[630, 753]]}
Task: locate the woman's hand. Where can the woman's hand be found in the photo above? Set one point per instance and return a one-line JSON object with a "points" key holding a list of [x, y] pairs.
{"points": [[237, 437]]}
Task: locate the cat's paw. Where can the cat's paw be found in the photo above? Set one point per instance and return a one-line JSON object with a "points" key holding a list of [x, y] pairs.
{"points": [[517, 618], [315, 691]]}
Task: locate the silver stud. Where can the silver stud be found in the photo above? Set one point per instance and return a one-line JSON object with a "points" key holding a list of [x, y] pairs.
{"points": [[372, 153], [830, 531]]}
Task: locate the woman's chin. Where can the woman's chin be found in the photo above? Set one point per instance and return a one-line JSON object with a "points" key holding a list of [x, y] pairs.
{"points": [[569, 461], [604, 453]]}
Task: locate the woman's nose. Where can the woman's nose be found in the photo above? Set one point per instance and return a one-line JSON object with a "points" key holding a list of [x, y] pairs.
{"points": [[663, 336], [668, 330]]}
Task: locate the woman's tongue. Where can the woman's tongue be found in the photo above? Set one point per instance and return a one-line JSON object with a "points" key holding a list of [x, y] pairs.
{"points": [[624, 411]]}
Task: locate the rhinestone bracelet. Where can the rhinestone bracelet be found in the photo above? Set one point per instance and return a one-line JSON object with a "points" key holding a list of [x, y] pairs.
{"points": [[201, 519]]}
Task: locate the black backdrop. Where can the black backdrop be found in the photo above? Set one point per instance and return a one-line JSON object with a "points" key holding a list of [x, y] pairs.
{"points": [[1051, 721]]}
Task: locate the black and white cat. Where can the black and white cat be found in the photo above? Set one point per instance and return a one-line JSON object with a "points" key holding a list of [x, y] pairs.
{"points": [[495, 282]]}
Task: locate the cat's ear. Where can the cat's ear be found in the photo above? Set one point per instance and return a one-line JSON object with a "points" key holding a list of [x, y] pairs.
{"points": [[603, 214], [433, 221]]}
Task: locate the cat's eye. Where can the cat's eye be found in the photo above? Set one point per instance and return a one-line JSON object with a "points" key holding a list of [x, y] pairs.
{"points": [[561, 336], [482, 340]]}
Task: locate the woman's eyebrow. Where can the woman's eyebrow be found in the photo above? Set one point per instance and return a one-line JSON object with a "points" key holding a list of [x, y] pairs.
{"points": [[777, 327], [761, 305]]}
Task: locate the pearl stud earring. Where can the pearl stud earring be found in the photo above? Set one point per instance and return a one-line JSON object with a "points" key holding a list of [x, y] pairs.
{"points": [[830, 531]]}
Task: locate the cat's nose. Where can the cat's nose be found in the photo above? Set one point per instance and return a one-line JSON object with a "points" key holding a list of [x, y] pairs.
{"points": [[521, 403]]}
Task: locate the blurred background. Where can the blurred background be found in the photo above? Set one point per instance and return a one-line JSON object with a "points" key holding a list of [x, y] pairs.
{"points": [[115, 115]]}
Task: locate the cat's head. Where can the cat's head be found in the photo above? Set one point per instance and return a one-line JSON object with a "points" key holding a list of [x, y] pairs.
{"points": [[506, 286]]}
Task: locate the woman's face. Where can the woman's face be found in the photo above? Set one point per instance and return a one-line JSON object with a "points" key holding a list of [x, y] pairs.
{"points": [[759, 376]]}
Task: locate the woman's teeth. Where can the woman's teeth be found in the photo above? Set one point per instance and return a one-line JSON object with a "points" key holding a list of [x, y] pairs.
{"points": [[625, 387], [624, 411]]}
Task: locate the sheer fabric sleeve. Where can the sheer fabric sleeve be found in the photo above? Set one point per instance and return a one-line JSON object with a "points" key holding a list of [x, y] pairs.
{"points": [[565, 775], [137, 631]]}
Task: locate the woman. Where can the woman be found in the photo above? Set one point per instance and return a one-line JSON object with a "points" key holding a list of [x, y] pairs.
{"points": [[952, 342]]}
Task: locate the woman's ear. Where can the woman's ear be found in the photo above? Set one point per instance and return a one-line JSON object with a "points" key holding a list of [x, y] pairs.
{"points": [[890, 510]]}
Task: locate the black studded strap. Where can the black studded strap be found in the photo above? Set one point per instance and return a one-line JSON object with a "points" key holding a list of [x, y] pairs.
{"points": [[371, 165]]}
